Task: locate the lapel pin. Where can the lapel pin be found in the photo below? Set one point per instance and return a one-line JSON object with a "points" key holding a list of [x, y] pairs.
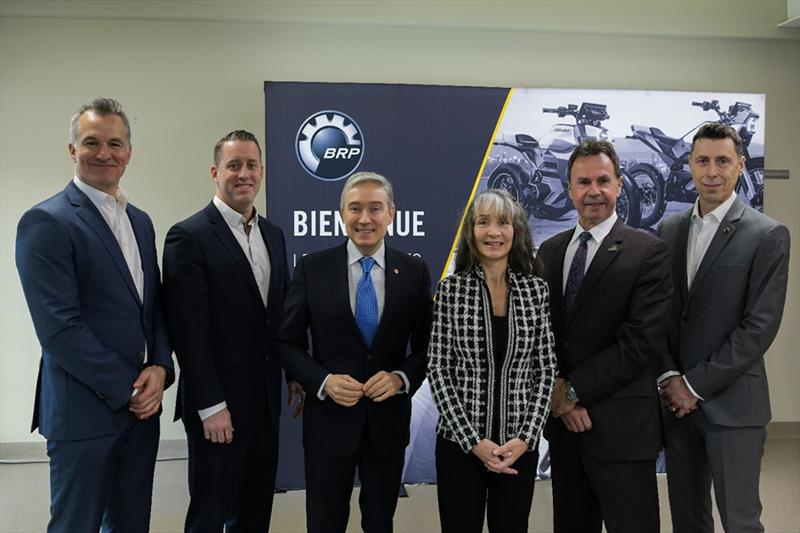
{"points": [[396, 271], [727, 229]]}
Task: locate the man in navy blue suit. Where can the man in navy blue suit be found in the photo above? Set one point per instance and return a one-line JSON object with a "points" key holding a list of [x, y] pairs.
{"points": [[87, 261], [225, 276]]}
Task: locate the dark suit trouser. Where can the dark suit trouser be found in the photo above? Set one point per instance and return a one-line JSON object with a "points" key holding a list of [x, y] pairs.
{"points": [[329, 484], [466, 491], [232, 484], [588, 492], [698, 451], [104, 481]]}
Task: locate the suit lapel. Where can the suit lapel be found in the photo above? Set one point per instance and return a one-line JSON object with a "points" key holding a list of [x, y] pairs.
{"points": [[87, 212], [341, 286], [271, 249], [225, 235], [391, 285], [606, 254], [679, 257], [557, 296], [145, 252], [724, 233]]}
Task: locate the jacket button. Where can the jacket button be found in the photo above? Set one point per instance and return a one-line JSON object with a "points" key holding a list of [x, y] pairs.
{"points": [[566, 345], [685, 319], [369, 356]]}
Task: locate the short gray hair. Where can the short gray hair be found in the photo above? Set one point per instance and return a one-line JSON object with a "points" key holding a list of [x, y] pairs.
{"points": [[367, 177], [103, 107]]}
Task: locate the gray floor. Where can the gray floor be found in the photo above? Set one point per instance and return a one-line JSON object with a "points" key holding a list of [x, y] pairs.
{"points": [[24, 497]]}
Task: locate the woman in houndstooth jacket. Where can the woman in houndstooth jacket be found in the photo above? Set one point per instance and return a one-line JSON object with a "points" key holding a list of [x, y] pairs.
{"points": [[491, 369]]}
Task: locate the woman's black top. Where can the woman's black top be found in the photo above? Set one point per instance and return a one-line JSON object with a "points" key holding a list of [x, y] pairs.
{"points": [[499, 344]]}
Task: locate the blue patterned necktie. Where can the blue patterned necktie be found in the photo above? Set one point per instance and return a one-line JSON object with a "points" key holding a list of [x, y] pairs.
{"points": [[366, 302], [576, 272]]}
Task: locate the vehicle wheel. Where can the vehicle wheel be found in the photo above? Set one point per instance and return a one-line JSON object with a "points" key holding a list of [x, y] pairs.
{"points": [[755, 168], [508, 178], [628, 203], [650, 186]]}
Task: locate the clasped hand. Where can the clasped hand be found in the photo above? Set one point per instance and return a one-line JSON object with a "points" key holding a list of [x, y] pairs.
{"points": [[676, 396], [498, 459], [575, 417], [346, 390], [148, 392]]}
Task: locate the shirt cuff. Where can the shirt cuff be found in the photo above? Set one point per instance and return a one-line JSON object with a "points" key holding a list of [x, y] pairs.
{"points": [[667, 374], [688, 386], [214, 409], [406, 387], [321, 394]]}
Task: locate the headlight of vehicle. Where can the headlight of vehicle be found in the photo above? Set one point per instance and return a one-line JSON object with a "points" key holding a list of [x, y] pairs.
{"points": [[750, 124]]}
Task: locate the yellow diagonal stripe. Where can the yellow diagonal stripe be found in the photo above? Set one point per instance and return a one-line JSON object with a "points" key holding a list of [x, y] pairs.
{"points": [[477, 180]]}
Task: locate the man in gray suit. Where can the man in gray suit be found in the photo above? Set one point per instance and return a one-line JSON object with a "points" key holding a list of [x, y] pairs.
{"points": [[730, 266]]}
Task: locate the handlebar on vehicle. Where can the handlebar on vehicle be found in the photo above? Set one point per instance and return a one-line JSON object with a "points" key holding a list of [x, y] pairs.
{"points": [[713, 104]]}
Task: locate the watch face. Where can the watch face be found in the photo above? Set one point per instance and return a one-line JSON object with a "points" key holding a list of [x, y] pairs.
{"points": [[571, 395]]}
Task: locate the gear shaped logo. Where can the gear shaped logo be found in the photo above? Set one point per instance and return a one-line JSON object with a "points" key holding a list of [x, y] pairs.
{"points": [[329, 145]]}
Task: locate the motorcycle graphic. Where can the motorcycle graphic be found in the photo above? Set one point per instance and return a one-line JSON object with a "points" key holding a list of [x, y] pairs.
{"points": [[535, 172], [656, 188]]}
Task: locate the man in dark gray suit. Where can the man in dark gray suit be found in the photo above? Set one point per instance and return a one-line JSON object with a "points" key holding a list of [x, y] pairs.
{"points": [[730, 265]]}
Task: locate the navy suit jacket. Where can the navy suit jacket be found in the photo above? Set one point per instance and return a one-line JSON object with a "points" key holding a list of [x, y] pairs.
{"points": [[609, 345], [224, 338], [88, 317], [319, 301]]}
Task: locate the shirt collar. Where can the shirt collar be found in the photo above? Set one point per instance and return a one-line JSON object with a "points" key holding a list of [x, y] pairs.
{"points": [[99, 197], [353, 254], [717, 214], [231, 216], [599, 232]]}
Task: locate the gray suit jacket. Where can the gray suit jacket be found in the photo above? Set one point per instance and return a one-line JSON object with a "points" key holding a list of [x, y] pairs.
{"points": [[723, 325]]}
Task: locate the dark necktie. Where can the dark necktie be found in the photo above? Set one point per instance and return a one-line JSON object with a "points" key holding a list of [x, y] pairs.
{"points": [[576, 271], [366, 302]]}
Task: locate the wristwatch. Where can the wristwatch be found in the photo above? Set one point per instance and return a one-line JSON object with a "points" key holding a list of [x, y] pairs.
{"points": [[570, 393]]}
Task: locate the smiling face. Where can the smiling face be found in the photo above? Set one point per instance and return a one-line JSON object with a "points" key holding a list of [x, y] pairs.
{"points": [[238, 175], [366, 214], [101, 151], [494, 235], [594, 188], [715, 168]]}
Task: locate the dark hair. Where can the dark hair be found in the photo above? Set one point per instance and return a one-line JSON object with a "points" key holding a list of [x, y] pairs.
{"points": [[594, 147], [717, 132], [502, 204], [102, 107], [235, 135], [367, 177]]}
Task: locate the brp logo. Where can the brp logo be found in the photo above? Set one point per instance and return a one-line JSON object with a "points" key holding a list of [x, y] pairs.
{"points": [[329, 145]]}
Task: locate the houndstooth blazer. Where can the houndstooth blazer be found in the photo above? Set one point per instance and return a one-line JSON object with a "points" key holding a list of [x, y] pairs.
{"points": [[461, 364]]}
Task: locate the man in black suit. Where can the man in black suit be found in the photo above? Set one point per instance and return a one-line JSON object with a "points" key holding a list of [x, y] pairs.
{"points": [[365, 305], [610, 289], [225, 277]]}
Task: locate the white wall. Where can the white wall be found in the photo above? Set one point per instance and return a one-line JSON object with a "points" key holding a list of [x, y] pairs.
{"points": [[188, 72]]}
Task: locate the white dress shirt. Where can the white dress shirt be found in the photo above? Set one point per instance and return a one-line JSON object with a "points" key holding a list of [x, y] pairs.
{"points": [[248, 235], [378, 275], [255, 249], [701, 233], [112, 208], [599, 232]]}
